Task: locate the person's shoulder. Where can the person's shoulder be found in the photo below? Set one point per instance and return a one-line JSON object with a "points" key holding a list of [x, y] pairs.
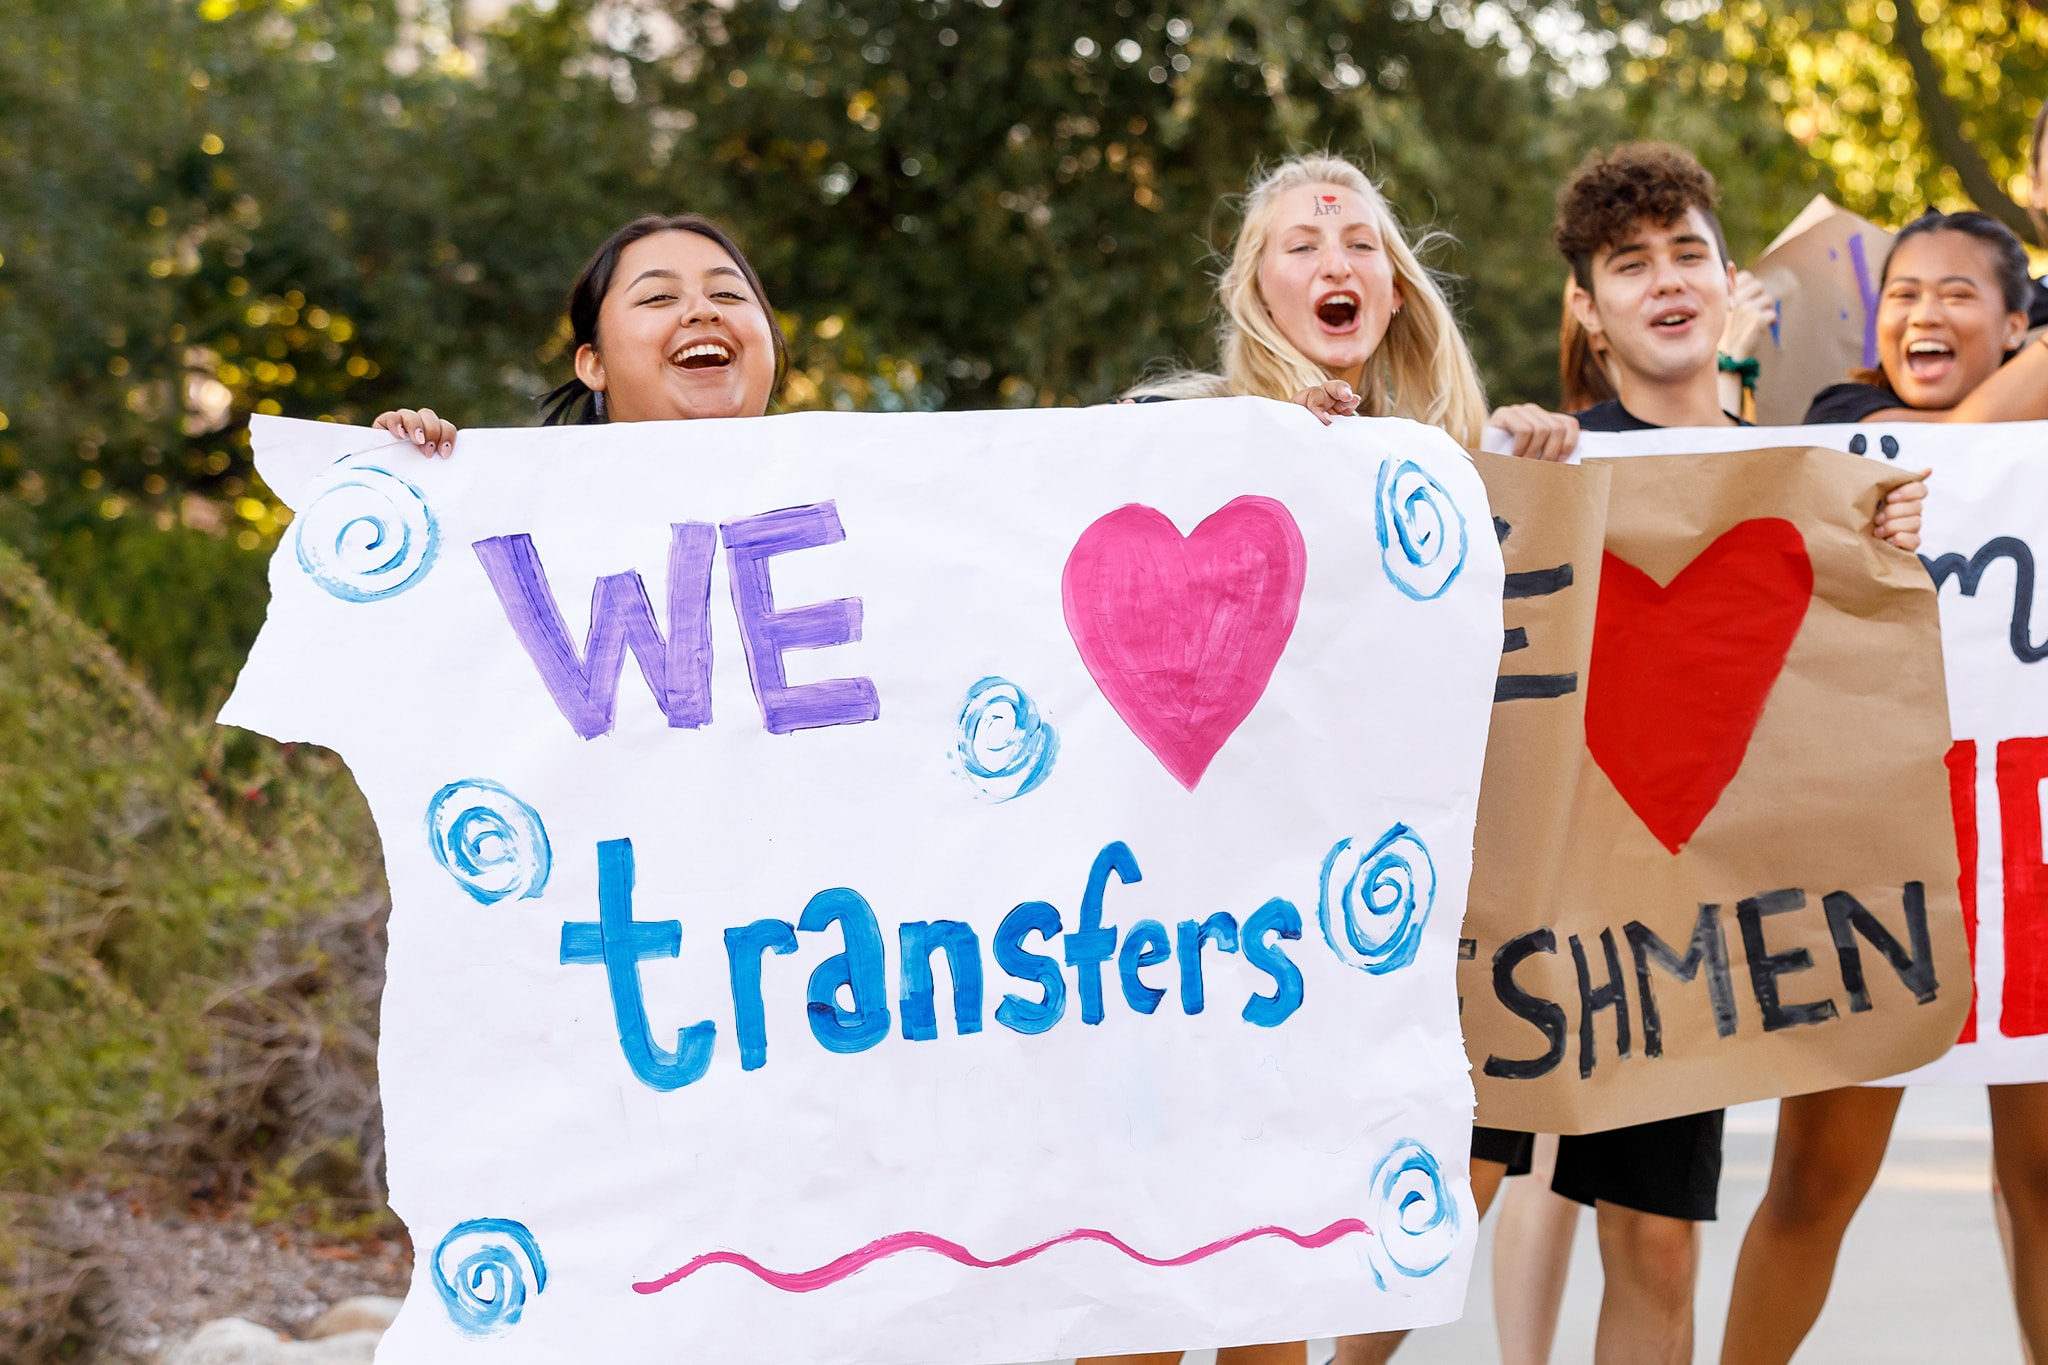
{"points": [[1611, 416], [1849, 402]]}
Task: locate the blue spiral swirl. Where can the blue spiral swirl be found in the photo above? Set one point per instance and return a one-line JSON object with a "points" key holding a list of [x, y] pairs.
{"points": [[1421, 531], [491, 842], [1384, 898], [1005, 747], [1414, 1217], [368, 536], [480, 1271]]}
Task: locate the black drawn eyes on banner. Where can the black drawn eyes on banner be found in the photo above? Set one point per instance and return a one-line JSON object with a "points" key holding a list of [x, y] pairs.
{"points": [[1421, 531], [1374, 905], [481, 1271], [368, 536], [1859, 444]]}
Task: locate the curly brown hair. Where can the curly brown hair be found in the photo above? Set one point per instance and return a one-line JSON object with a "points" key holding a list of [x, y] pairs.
{"points": [[1612, 192]]}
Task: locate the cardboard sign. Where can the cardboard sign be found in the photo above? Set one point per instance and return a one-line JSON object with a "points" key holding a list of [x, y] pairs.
{"points": [[907, 888], [1823, 270], [1987, 501], [1713, 861]]}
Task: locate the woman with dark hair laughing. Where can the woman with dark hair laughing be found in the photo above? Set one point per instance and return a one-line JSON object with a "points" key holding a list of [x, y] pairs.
{"points": [[668, 321]]}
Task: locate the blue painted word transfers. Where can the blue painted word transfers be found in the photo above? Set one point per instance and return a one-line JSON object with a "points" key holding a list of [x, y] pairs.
{"points": [[848, 1006]]}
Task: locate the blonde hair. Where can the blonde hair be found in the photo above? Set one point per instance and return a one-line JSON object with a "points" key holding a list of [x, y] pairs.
{"points": [[1421, 369]]}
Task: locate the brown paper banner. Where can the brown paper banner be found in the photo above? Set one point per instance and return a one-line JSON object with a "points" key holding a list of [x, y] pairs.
{"points": [[1823, 270], [1714, 860]]}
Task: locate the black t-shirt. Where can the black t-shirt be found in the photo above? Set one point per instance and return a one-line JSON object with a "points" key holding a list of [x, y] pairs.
{"points": [[2037, 306], [1612, 416], [1850, 403]]}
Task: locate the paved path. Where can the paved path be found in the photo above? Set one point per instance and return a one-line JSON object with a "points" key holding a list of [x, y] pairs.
{"points": [[1921, 1277], [1920, 1280]]}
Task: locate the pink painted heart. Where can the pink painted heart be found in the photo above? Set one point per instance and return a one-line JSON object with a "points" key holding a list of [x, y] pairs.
{"points": [[1182, 634]]}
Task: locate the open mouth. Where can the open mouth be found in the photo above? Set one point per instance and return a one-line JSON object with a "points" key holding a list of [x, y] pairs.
{"points": [[702, 355], [1673, 320], [1338, 311], [1928, 359]]}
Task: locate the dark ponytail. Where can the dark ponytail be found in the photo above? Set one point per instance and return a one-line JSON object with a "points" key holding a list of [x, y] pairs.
{"points": [[575, 402]]}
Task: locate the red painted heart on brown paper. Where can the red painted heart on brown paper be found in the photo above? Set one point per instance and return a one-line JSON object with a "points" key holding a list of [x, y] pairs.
{"points": [[1680, 674]]}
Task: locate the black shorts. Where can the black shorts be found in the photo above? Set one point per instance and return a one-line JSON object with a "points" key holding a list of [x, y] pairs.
{"points": [[1503, 1145], [1671, 1167]]}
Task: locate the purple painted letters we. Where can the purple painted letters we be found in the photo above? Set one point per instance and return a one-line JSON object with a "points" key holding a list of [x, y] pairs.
{"points": [[678, 668]]}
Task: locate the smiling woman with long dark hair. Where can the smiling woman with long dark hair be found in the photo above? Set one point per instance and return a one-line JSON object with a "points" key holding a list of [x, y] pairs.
{"points": [[1951, 331], [669, 322]]}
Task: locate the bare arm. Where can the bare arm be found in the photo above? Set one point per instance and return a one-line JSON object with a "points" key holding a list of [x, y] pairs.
{"points": [[2017, 393], [1750, 319]]}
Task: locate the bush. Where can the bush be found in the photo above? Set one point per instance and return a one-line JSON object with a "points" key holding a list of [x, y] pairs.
{"points": [[182, 606], [190, 921]]}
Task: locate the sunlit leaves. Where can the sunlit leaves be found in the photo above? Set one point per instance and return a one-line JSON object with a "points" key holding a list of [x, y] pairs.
{"points": [[1838, 73]]}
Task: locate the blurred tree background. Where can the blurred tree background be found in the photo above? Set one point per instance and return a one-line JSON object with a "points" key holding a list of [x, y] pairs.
{"points": [[210, 208], [325, 207], [322, 208]]}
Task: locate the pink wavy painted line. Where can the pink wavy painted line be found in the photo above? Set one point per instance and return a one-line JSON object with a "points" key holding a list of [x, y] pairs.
{"points": [[853, 1262]]}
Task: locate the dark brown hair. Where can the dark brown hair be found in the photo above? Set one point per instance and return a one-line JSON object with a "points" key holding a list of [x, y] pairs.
{"points": [[1610, 193], [574, 402]]}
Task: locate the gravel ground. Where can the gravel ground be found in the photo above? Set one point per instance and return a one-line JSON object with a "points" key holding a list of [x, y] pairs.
{"points": [[164, 1275]]}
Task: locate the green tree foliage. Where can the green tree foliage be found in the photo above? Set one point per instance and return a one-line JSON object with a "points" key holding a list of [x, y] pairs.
{"points": [[324, 208], [1905, 105], [213, 208], [128, 895], [1024, 204]]}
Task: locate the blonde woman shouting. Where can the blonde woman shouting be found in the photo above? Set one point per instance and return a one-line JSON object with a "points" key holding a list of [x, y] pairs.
{"points": [[1324, 303]]}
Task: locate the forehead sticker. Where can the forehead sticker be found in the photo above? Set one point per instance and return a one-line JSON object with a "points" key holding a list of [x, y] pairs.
{"points": [[1326, 204]]}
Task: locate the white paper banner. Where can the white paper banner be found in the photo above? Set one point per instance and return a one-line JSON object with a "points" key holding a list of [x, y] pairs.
{"points": [[945, 888], [1987, 508]]}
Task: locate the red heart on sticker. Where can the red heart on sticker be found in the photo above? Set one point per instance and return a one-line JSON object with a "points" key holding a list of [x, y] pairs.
{"points": [[1181, 635], [1680, 674]]}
